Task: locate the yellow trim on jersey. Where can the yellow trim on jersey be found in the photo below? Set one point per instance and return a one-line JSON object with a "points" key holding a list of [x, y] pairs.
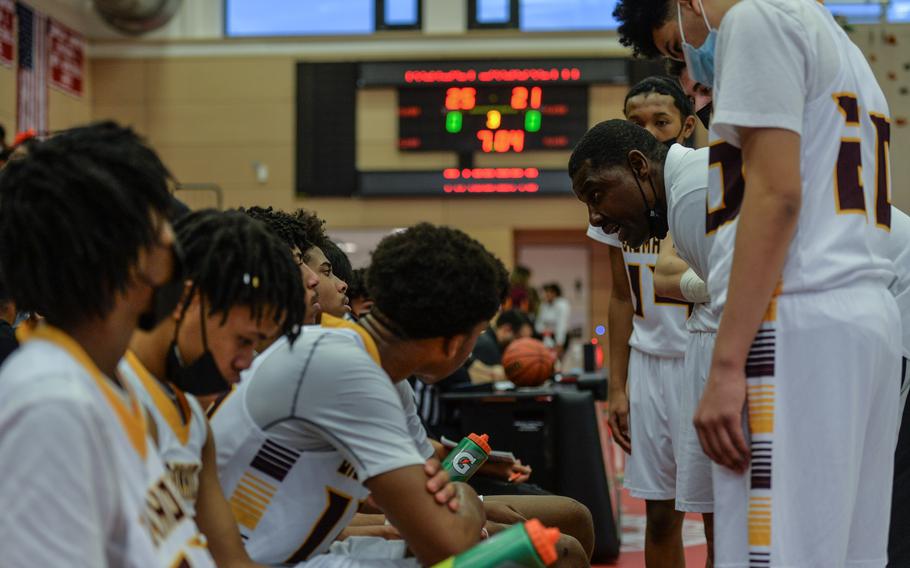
{"points": [[132, 418], [760, 401], [759, 521], [250, 500], [162, 401], [332, 322]]}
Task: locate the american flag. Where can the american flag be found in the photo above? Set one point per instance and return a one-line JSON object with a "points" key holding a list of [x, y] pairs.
{"points": [[32, 74]]}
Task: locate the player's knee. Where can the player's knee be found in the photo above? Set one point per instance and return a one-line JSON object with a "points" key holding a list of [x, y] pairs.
{"points": [[579, 517], [664, 521], [571, 553]]}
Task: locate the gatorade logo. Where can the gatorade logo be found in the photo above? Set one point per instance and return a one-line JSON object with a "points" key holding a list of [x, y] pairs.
{"points": [[463, 462]]}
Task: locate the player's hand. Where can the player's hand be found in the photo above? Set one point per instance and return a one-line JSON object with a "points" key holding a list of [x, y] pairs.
{"points": [[387, 532], [440, 485], [619, 419], [515, 472], [719, 418]]}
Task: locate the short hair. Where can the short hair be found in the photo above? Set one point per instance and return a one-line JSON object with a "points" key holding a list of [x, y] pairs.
{"points": [[75, 211], [553, 287], [430, 281], [341, 264], [608, 143], [663, 86], [357, 285], [234, 260], [637, 21], [283, 225], [514, 318], [313, 227]]}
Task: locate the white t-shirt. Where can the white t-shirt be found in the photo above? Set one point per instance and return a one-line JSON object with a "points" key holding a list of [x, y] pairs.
{"points": [[554, 317], [898, 250], [297, 440], [686, 185], [811, 79], [83, 485], [659, 323], [181, 433]]}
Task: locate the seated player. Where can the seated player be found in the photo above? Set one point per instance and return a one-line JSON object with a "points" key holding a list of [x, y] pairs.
{"points": [[609, 168], [360, 300], [242, 287], [341, 264], [331, 288], [85, 241], [320, 424], [293, 234]]}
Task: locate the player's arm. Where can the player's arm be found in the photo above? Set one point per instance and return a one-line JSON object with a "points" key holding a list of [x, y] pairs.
{"points": [[433, 531], [482, 373], [674, 279], [55, 487], [514, 472], [213, 514], [767, 222], [620, 316]]}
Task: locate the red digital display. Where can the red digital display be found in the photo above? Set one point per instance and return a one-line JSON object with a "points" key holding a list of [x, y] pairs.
{"points": [[492, 119]]}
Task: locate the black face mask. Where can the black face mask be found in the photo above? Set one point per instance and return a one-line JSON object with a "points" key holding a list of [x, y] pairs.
{"points": [[669, 143], [201, 377], [165, 297], [658, 227], [704, 114]]}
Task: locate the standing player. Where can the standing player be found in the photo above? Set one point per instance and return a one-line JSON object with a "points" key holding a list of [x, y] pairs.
{"points": [[648, 341], [320, 424], [85, 241], [244, 288], [800, 202]]}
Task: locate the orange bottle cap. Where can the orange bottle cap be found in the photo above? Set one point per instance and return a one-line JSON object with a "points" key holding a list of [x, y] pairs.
{"points": [[544, 540], [483, 441]]}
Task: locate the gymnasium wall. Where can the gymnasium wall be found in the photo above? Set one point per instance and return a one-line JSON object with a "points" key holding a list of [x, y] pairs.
{"points": [[211, 118], [64, 110]]}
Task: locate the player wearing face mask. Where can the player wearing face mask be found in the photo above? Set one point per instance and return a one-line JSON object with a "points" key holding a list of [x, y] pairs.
{"points": [[240, 286], [648, 334]]}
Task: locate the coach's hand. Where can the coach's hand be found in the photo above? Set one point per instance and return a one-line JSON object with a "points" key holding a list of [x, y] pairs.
{"points": [[440, 485], [719, 418], [619, 419]]}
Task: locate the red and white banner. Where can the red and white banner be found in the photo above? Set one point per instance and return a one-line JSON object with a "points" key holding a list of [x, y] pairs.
{"points": [[66, 58], [7, 32]]}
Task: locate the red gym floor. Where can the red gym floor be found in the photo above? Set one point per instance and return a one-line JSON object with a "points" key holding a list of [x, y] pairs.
{"points": [[633, 542]]}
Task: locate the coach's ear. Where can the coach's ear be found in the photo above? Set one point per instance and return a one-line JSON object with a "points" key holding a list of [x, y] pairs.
{"points": [[639, 164]]}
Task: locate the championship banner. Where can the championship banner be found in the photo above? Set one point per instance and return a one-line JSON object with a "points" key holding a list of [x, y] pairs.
{"points": [[66, 58], [7, 32]]}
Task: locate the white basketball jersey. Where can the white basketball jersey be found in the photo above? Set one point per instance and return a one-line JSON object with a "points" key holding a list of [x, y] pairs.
{"points": [[182, 432], [659, 324], [293, 455], [686, 183], [814, 81], [157, 527], [898, 251]]}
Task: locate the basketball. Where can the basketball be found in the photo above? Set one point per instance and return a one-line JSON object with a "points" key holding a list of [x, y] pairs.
{"points": [[527, 362]]}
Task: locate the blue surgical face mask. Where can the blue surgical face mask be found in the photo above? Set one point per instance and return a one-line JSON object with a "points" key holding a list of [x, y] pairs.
{"points": [[699, 60]]}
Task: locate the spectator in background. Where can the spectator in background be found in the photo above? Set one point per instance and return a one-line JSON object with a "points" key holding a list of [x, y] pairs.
{"points": [[553, 317], [357, 292], [521, 295]]}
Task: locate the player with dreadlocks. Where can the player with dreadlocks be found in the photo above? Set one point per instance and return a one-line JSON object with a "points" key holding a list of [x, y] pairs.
{"points": [[294, 234], [332, 289], [85, 241], [242, 288]]}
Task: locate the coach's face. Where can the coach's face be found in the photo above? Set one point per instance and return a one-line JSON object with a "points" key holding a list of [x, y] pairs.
{"points": [[614, 202]]}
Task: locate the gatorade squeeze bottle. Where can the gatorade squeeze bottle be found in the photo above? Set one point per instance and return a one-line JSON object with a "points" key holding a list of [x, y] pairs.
{"points": [[466, 458], [530, 545]]}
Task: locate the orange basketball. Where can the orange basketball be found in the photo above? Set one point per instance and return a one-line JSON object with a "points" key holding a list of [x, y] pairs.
{"points": [[528, 362]]}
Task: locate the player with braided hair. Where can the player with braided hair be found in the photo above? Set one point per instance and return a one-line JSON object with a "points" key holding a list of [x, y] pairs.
{"points": [[242, 288]]}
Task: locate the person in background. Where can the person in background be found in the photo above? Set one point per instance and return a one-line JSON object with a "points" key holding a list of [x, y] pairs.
{"points": [[553, 317], [522, 296], [358, 294]]}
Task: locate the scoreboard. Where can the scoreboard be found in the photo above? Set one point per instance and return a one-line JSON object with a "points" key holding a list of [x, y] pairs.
{"points": [[492, 118]]}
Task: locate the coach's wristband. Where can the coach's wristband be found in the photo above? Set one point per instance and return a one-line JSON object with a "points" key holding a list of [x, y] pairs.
{"points": [[693, 288]]}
